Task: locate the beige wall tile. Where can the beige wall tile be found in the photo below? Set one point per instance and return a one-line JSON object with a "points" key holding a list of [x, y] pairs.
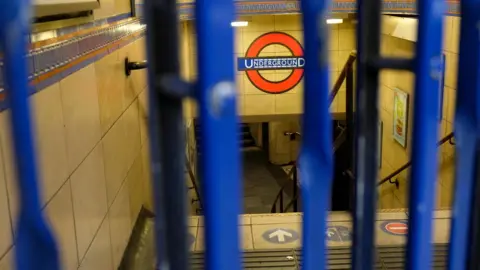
{"points": [[238, 41], [132, 133], [6, 263], [447, 33], [455, 37], [451, 96], [341, 106], [108, 70], [107, 9], [261, 23], [60, 213], [346, 39], [99, 255], [259, 104], [386, 99], [80, 110], [122, 6], [135, 179], [451, 66], [50, 139], [89, 204], [6, 232], [120, 225], [115, 160], [288, 103], [335, 65], [241, 105], [147, 184], [288, 22], [334, 39], [143, 115], [6, 145]]}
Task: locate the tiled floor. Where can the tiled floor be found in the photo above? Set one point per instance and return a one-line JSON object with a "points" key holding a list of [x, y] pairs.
{"points": [[260, 232]]}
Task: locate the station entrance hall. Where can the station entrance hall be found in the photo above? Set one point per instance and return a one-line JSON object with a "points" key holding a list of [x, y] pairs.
{"points": [[229, 135]]}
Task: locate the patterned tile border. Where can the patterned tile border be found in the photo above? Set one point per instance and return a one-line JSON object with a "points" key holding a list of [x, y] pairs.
{"points": [[256, 7], [51, 60]]}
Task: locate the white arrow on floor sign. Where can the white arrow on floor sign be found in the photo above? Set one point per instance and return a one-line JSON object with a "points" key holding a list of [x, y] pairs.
{"points": [[330, 233], [280, 234]]}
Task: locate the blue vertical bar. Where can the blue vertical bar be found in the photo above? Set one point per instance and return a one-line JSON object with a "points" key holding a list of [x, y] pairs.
{"points": [[423, 179], [34, 246], [220, 161], [467, 133], [316, 153]]}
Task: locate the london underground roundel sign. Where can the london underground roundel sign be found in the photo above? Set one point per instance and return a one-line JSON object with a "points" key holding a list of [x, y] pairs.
{"points": [[252, 63]]}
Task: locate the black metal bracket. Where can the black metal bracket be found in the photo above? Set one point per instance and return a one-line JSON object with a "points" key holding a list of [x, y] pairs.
{"points": [[397, 184], [172, 85], [293, 135], [129, 66], [451, 141]]}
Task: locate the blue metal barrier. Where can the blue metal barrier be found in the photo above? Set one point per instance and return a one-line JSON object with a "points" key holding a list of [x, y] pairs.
{"points": [[34, 243], [216, 94]]}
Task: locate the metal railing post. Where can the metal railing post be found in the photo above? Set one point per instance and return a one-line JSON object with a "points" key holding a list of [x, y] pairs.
{"points": [[166, 134], [220, 163], [428, 73], [368, 49], [316, 156], [464, 236]]}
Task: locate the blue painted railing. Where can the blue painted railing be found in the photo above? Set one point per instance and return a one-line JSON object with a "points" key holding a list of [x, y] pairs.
{"points": [[35, 247]]}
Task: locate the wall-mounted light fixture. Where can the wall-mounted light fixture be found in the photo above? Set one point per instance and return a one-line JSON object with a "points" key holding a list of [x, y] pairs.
{"points": [[334, 21], [239, 23]]}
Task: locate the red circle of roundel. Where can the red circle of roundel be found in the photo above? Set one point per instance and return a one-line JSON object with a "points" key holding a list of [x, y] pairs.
{"points": [[269, 39]]}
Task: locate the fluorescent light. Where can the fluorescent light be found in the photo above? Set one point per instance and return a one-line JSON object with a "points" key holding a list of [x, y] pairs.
{"points": [[239, 24], [334, 21]]}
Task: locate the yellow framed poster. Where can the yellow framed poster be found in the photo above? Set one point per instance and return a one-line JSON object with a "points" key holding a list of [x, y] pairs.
{"points": [[400, 116]]}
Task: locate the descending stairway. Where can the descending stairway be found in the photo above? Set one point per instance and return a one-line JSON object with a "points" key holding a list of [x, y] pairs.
{"points": [[247, 141]]}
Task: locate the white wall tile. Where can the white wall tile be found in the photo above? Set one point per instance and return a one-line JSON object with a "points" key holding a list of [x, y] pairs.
{"points": [[80, 109], [89, 198], [6, 262], [5, 220], [99, 255], [50, 139], [60, 214], [120, 224]]}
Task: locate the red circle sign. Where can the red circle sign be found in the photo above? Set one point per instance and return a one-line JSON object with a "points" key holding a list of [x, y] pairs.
{"points": [[279, 38], [397, 228]]}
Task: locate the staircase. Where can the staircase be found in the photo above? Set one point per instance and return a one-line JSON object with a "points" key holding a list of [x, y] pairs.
{"points": [[247, 142]]}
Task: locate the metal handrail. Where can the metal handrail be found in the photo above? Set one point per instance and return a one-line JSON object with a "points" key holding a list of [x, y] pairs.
{"points": [[194, 183], [338, 141], [447, 138], [338, 83], [336, 145], [279, 197]]}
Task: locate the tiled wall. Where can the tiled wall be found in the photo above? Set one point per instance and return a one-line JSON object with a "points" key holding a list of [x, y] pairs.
{"points": [[394, 155], [252, 101], [91, 151]]}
